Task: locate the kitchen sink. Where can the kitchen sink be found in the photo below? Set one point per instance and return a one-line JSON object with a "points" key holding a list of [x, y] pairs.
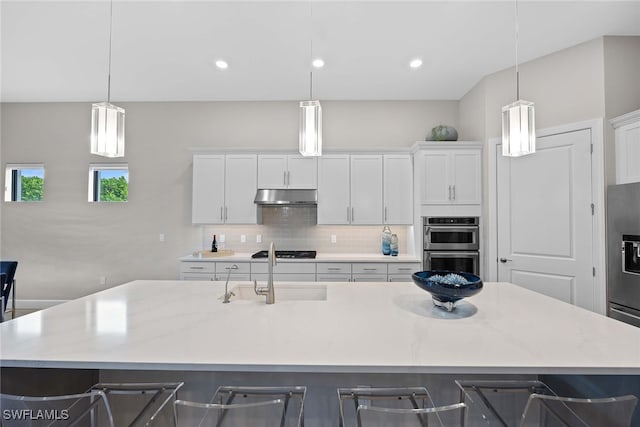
{"points": [[287, 292]]}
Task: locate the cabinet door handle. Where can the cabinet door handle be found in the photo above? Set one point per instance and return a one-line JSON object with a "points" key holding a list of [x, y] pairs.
{"points": [[348, 215], [352, 215], [385, 214], [504, 260], [449, 192], [284, 178], [454, 191], [221, 213], [288, 178], [226, 211]]}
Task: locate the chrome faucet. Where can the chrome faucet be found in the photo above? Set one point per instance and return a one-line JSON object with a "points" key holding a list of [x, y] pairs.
{"points": [[268, 291], [228, 295]]}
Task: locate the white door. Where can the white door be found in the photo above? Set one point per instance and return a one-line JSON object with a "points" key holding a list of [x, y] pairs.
{"points": [[398, 189], [544, 219], [240, 189], [334, 200], [366, 189], [207, 199], [302, 172]]}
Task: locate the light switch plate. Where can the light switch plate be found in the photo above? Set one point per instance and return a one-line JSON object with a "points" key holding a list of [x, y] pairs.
{"points": [[333, 238], [243, 238], [259, 238]]}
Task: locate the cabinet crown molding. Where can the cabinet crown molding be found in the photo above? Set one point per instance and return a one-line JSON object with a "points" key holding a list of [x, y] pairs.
{"points": [[422, 145], [625, 119]]}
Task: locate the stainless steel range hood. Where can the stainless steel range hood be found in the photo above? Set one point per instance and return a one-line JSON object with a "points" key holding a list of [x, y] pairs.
{"points": [[287, 206]]}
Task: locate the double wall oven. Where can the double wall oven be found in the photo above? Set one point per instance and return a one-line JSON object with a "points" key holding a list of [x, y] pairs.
{"points": [[452, 243]]}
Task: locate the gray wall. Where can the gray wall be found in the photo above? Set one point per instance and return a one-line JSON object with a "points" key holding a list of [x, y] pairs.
{"points": [[64, 244]]}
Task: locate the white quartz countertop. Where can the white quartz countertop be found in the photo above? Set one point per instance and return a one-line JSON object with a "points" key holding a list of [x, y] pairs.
{"points": [[320, 257], [360, 327]]}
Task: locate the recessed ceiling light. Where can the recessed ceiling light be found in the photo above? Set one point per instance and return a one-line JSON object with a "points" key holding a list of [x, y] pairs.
{"points": [[415, 63], [222, 64], [318, 63]]}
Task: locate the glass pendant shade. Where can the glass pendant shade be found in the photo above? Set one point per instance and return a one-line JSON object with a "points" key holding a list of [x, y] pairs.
{"points": [[310, 128], [518, 129], [107, 130]]}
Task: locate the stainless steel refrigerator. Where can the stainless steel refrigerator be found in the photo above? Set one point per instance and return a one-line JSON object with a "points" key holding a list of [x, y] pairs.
{"points": [[623, 252]]}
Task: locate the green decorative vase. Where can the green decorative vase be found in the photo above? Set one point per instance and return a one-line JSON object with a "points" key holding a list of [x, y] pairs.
{"points": [[443, 133]]}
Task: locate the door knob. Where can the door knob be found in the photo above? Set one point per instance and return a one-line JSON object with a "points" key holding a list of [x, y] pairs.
{"points": [[503, 260]]}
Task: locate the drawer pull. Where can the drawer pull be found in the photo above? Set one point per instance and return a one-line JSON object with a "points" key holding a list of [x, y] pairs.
{"points": [[334, 269], [405, 268], [196, 268], [370, 269]]}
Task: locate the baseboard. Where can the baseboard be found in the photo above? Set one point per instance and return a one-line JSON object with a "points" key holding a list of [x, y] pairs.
{"points": [[35, 304]]}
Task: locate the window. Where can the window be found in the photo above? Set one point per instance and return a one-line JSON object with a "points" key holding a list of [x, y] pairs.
{"points": [[109, 182], [24, 183]]}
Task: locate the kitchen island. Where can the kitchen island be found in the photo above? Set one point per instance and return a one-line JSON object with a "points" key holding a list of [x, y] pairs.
{"points": [[373, 332]]}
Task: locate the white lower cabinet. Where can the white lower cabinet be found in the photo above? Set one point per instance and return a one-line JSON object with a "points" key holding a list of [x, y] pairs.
{"points": [[402, 272], [285, 271], [397, 271], [195, 270]]}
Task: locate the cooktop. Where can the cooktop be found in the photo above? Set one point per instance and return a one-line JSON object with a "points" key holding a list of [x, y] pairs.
{"points": [[286, 254]]}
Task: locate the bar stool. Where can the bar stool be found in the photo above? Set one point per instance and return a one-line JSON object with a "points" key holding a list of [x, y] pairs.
{"points": [[245, 406], [139, 404], [394, 406], [567, 411], [90, 408], [533, 403]]}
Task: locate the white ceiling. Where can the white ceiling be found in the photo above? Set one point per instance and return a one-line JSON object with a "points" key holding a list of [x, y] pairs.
{"points": [[165, 50]]}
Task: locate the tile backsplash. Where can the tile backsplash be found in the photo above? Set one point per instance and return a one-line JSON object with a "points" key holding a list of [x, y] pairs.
{"points": [[348, 239]]}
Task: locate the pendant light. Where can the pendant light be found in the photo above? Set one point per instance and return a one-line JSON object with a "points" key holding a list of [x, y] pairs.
{"points": [[310, 114], [107, 120], [518, 119]]}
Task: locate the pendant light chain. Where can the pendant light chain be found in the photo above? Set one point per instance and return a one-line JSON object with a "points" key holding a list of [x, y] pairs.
{"points": [[110, 39], [517, 42], [310, 50]]}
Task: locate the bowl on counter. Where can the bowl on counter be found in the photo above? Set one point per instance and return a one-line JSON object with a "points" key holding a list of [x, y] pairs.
{"points": [[447, 287]]}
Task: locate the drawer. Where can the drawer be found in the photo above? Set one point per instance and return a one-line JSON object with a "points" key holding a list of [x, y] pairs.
{"points": [[197, 276], [369, 278], [197, 267], [400, 278], [245, 277], [334, 268], [334, 277], [404, 268], [369, 268], [287, 277], [222, 268], [284, 267]]}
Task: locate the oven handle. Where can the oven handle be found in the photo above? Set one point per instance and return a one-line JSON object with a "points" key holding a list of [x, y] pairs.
{"points": [[452, 254], [451, 227]]}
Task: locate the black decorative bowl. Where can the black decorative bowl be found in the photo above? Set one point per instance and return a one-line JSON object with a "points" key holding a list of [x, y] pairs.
{"points": [[445, 294]]}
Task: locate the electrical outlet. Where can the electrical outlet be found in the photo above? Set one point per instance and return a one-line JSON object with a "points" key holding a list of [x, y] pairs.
{"points": [[333, 238], [161, 237], [222, 238], [243, 238], [259, 238], [102, 280]]}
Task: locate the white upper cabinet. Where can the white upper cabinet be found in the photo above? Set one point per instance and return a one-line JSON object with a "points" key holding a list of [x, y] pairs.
{"points": [[627, 130], [398, 189], [366, 189], [287, 171], [240, 188], [208, 189], [224, 187], [334, 198], [450, 176]]}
